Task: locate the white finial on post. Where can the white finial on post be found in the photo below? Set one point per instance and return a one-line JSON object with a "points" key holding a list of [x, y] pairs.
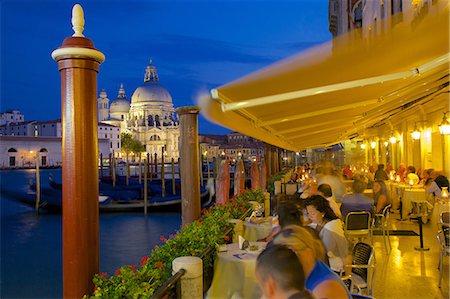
{"points": [[77, 20]]}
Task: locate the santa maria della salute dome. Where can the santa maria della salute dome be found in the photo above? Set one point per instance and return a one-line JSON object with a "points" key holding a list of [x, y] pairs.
{"points": [[150, 116]]}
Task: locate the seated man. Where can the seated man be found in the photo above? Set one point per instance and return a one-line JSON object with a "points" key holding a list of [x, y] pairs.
{"points": [[411, 176], [357, 202], [280, 274]]}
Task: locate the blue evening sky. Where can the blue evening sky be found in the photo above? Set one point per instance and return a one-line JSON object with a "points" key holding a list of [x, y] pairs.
{"points": [[195, 45]]}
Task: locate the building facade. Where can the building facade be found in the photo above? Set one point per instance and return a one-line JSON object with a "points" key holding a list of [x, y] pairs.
{"points": [[150, 116], [347, 15], [26, 151], [11, 116], [233, 146]]}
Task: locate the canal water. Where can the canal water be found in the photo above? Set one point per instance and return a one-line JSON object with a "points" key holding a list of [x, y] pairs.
{"points": [[31, 254]]}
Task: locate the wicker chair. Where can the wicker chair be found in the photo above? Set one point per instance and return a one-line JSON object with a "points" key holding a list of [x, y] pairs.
{"points": [[443, 237], [363, 268], [358, 224], [381, 222]]}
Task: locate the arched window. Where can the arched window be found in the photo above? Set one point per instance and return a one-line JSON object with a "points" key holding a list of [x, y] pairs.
{"points": [[12, 150], [155, 138], [157, 120], [43, 150]]}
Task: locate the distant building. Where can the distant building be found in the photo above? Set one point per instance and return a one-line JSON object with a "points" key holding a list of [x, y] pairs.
{"points": [[25, 151], [11, 116], [150, 116], [233, 146], [347, 15], [53, 128]]}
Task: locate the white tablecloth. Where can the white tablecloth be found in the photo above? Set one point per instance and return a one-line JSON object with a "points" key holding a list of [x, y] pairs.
{"points": [[410, 195], [234, 273], [254, 232]]}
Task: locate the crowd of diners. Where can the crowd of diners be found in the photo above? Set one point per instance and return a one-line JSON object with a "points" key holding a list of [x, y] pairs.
{"points": [[308, 253]]}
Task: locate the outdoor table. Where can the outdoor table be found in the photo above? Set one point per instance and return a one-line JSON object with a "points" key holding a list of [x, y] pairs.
{"points": [[290, 188], [348, 184], [412, 194], [257, 231], [234, 273]]}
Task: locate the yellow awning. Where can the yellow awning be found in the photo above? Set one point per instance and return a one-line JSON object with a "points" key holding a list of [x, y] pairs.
{"points": [[331, 92]]}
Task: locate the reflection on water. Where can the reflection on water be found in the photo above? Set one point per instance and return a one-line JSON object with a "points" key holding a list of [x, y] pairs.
{"points": [[31, 257]]}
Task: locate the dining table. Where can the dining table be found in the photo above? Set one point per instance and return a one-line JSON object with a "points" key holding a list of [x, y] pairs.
{"points": [[419, 197], [234, 272], [257, 228]]}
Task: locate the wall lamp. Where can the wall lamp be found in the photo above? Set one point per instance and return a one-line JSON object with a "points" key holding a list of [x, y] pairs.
{"points": [[416, 133], [444, 126]]}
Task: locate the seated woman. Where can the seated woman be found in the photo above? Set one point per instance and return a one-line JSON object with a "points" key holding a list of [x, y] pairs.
{"points": [[320, 279], [331, 232], [380, 196]]}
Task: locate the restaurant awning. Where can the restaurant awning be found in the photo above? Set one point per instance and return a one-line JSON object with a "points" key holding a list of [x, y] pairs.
{"points": [[334, 91]]}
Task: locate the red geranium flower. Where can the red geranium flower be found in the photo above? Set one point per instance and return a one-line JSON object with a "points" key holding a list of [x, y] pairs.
{"points": [[163, 239], [133, 268], [227, 238], [103, 274], [144, 260], [159, 264], [118, 272]]}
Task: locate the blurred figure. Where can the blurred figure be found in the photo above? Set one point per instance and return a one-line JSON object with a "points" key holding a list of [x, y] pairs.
{"points": [[438, 183], [401, 172], [357, 201], [381, 174], [280, 275], [320, 279], [325, 191], [411, 176], [328, 176], [427, 180], [331, 232], [380, 196], [347, 172]]}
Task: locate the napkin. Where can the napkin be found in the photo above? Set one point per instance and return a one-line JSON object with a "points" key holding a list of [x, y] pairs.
{"points": [[243, 244]]}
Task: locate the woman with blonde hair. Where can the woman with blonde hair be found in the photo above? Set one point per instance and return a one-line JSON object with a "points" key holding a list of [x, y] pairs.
{"points": [[320, 279]]}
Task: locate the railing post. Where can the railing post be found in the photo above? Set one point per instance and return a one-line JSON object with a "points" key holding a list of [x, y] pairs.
{"points": [[192, 280], [78, 63], [190, 182]]}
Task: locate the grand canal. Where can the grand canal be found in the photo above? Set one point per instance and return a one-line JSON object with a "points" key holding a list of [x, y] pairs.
{"points": [[31, 254]]}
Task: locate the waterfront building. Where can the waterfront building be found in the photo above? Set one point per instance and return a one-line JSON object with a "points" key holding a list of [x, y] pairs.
{"points": [[150, 116], [11, 116], [25, 151], [233, 145], [347, 15]]}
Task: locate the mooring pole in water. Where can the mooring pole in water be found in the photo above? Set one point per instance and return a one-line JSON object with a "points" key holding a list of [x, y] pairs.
{"points": [[110, 161], [101, 165], [113, 167], [163, 179], [140, 168], [78, 64], [148, 165], [200, 167], [156, 165], [174, 190], [38, 184], [145, 186], [190, 179]]}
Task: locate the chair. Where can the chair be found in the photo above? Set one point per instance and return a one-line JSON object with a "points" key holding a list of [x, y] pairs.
{"points": [[381, 222], [363, 267], [358, 224], [443, 237]]}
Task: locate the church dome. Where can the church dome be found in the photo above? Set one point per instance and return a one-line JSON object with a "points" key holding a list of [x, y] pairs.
{"points": [[121, 103], [151, 90]]}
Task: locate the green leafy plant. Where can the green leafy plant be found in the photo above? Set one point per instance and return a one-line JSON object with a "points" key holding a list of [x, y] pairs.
{"points": [[191, 240], [276, 177]]}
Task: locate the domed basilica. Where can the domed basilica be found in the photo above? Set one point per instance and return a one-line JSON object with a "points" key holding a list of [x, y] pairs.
{"points": [[150, 117]]}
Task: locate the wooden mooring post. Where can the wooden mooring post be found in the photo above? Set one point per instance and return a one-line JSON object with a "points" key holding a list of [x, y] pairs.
{"points": [[163, 179], [145, 187], [190, 179], [174, 190], [101, 165], [38, 184], [78, 64]]}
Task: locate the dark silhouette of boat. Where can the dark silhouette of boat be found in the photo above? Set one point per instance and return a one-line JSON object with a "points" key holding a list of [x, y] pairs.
{"points": [[121, 197]]}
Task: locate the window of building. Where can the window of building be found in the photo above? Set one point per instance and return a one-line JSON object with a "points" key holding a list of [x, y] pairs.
{"points": [[44, 160], [12, 161], [43, 150], [12, 150], [118, 144], [106, 135]]}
